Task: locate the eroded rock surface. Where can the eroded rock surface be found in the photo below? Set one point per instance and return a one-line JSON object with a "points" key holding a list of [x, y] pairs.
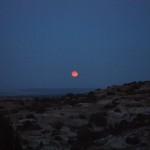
{"points": [[115, 118]]}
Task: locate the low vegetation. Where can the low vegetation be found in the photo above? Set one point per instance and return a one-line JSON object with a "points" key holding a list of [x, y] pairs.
{"points": [[115, 118], [9, 138], [28, 125]]}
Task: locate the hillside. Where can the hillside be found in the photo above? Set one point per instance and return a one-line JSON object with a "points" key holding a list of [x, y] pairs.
{"points": [[116, 118]]}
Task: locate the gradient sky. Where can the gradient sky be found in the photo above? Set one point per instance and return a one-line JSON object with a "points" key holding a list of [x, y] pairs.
{"points": [[42, 41]]}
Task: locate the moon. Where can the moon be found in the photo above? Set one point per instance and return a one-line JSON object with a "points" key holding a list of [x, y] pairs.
{"points": [[74, 74]]}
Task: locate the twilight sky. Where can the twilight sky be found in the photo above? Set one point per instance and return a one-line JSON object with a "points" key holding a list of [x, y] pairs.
{"points": [[42, 41]]}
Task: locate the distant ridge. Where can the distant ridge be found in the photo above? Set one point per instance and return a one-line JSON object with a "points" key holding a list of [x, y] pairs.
{"points": [[44, 92]]}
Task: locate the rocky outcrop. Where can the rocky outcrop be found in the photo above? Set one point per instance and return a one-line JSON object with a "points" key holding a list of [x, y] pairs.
{"points": [[114, 118]]}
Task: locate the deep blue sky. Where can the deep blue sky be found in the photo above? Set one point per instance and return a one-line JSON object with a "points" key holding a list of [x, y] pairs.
{"points": [[42, 41]]}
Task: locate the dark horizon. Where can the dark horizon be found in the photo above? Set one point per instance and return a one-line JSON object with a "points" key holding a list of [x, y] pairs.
{"points": [[43, 92], [54, 92]]}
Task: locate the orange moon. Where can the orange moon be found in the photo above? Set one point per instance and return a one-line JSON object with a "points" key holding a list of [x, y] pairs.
{"points": [[74, 74]]}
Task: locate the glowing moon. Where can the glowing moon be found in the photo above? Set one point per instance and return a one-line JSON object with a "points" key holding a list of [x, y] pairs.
{"points": [[74, 74]]}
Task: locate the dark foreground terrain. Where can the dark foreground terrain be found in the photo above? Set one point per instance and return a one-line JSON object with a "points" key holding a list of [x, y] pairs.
{"points": [[117, 118]]}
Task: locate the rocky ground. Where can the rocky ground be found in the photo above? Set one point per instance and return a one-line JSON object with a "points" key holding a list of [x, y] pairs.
{"points": [[116, 118]]}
